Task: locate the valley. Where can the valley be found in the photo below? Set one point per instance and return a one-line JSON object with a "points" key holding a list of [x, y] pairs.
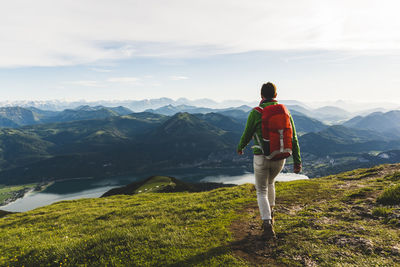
{"points": [[90, 142]]}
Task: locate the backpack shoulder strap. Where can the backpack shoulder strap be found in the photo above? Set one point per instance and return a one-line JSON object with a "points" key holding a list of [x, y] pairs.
{"points": [[258, 109]]}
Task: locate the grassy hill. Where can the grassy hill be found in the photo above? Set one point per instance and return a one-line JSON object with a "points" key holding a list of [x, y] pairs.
{"points": [[351, 219], [153, 184], [340, 139], [162, 184]]}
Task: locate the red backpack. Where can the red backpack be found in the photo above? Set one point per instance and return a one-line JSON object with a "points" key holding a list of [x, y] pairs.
{"points": [[277, 132]]}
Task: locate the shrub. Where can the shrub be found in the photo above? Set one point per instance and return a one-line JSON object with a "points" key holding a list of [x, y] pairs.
{"points": [[390, 196]]}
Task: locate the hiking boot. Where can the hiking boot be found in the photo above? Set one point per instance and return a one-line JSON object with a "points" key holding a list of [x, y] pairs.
{"points": [[268, 230]]}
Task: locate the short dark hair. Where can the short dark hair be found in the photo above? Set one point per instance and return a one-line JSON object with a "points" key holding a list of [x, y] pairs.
{"points": [[268, 90]]}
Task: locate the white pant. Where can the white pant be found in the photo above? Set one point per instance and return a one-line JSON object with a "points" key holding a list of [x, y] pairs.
{"points": [[265, 172]]}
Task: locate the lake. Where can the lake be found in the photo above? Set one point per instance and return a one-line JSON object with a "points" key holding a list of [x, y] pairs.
{"points": [[249, 178], [93, 188]]}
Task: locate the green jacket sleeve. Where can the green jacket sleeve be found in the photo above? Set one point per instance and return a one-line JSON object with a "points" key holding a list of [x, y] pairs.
{"points": [[248, 131], [295, 144]]}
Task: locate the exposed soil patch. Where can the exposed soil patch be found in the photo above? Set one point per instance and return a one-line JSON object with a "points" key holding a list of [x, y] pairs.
{"points": [[248, 244], [355, 242], [251, 247]]}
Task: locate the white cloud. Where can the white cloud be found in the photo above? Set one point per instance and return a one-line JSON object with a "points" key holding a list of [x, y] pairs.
{"points": [[178, 78], [48, 33], [100, 70], [87, 83], [130, 80], [94, 83]]}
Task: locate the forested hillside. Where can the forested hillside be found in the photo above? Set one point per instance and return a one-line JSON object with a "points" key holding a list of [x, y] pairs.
{"points": [[141, 142]]}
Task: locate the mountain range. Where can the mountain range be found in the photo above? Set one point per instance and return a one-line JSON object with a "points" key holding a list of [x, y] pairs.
{"points": [[327, 114], [15, 116], [19, 116], [102, 141], [140, 142], [135, 105], [141, 105], [378, 121], [101, 147]]}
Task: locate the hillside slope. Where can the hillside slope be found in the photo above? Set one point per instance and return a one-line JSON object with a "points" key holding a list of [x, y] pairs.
{"points": [[388, 122], [330, 221], [162, 184], [154, 184], [139, 142]]}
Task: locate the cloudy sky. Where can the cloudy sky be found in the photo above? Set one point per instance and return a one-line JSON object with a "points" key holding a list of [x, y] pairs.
{"points": [[128, 49]]}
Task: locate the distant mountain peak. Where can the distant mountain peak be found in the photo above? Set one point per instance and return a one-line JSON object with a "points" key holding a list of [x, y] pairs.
{"points": [[179, 118], [185, 123], [183, 115], [377, 121]]}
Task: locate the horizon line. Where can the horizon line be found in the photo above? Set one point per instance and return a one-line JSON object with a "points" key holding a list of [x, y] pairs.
{"points": [[190, 99]]}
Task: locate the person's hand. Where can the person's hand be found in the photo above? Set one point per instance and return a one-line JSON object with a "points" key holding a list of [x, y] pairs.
{"points": [[240, 152], [297, 167]]}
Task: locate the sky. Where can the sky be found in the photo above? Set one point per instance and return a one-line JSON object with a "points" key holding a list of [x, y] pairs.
{"points": [[312, 50]]}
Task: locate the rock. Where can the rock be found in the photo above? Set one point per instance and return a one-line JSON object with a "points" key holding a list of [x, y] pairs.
{"points": [[395, 251], [357, 242]]}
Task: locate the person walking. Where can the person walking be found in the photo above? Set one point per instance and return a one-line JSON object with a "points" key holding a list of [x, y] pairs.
{"points": [[265, 170]]}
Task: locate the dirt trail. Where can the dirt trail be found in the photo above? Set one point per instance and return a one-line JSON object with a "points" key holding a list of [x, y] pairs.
{"points": [[248, 245]]}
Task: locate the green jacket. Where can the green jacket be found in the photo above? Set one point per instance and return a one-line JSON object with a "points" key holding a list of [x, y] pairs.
{"points": [[253, 126]]}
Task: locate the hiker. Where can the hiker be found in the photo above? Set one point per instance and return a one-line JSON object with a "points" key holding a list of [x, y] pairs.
{"points": [[265, 167]]}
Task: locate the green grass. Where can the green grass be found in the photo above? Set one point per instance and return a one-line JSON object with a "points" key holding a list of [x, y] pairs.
{"points": [[155, 181], [359, 173], [327, 221], [147, 229], [393, 177], [358, 193], [391, 196], [381, 211]]}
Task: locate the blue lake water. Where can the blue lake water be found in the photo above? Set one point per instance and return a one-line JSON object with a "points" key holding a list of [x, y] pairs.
{"points": [[92, 188], [249, 178]]}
